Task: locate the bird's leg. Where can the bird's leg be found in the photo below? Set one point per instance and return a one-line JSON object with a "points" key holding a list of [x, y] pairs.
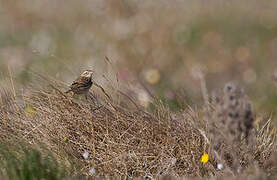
{"points": [[86, 95]]}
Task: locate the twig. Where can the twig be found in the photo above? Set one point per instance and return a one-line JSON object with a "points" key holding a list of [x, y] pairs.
{"points": [[58, 90], [204, 90], [128, 98], [95, 109], [146, 89], [103, 90], [10, 73]]}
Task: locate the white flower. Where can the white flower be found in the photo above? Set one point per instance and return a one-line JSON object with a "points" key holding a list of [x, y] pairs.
{"points": [[85, 155], [173, 160], [92, 171], [219, 166]]}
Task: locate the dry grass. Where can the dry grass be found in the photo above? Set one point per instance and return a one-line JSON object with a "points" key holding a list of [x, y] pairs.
{"points": [[130, 142]]}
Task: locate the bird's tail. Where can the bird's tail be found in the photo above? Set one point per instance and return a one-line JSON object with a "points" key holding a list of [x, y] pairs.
{"points": [[68, 91]]}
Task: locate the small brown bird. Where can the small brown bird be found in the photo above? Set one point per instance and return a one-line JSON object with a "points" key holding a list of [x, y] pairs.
{"points": [[82, 84]]}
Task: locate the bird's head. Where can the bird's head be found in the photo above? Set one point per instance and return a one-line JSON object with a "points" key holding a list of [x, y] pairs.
{"points": [[87, 74]]}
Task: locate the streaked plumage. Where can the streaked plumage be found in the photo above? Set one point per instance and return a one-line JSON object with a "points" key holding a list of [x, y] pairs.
{"points": [[82, 84]]}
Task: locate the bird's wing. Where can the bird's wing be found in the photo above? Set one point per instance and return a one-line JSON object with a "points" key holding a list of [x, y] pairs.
{"points": [[81, 83]]}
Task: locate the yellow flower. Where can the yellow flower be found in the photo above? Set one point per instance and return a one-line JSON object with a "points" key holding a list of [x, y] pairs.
{"points": [[65, 139], [152, 76], [30, 110], [204, 158]]}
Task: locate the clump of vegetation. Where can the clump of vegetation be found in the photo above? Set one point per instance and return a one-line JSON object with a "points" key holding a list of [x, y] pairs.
{"points": [[232, 132], [107, 139], [25, 162]]}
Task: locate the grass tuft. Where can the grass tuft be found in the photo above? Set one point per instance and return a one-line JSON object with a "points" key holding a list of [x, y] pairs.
{"points": [[100, 138]]}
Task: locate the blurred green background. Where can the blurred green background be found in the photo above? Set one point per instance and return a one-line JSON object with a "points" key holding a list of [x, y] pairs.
{"points": [[158, 43]]}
